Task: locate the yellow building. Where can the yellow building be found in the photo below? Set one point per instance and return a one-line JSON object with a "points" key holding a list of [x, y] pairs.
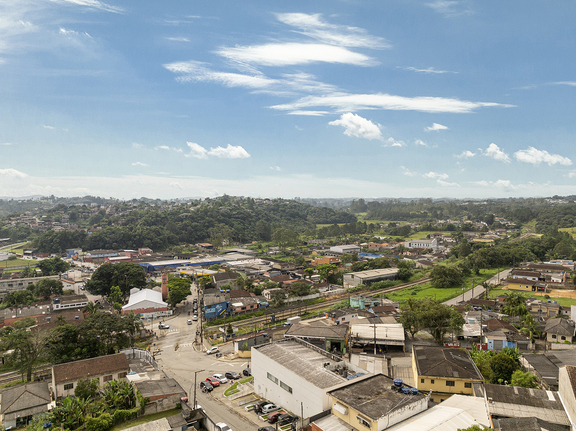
{"points": [[526, 285], [444, 371], [370, 403]]}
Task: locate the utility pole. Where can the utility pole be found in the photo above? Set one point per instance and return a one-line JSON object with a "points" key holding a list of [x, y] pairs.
{"points": [[195, 373], [374, 339]]}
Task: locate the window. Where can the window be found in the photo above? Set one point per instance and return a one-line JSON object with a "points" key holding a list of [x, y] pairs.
{"points": [[285, 387], [562, 337], [363, 421], [107, 378], [122, 375], [450, 383], [271, 377], [421, 380], [68, 386], [553, 336], [468, 385], [432, 381]]}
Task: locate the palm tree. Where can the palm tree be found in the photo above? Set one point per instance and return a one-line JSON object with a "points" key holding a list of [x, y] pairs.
{"points": [[133, 325], [90, 308]]}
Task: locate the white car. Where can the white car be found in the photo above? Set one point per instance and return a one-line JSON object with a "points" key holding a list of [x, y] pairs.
{"points": [[163, 326], [212, 350], [221, 378], [223, 427]]}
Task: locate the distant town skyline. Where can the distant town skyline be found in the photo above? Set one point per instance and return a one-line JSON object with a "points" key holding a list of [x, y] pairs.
{"points": [[411, 99]]}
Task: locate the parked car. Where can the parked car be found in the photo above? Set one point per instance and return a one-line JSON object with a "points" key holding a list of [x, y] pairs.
{"points": [[195, 318], [232, 375], [206, 386], [212, 350], [163, 326], [189, 322], [222, 427], [214, 382], [247, 371], [220, 378], [267, 428], [269, 408], [259, 404], [273, 417], [286, 418]]}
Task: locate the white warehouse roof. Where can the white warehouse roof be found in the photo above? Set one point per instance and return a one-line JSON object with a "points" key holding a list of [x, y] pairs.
{"points": [[145, 298]]}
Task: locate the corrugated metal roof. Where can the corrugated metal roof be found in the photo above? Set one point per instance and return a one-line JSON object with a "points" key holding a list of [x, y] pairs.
{"points": [[438, 418]]}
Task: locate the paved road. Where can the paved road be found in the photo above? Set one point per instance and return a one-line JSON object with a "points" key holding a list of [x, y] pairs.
{"points": [[182, 363], [478, 290]]}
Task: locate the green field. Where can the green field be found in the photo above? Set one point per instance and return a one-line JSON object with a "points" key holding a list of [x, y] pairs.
{"points": [[570, 230], [564, 302], [427, 291], [18, 250], [17, 262]]}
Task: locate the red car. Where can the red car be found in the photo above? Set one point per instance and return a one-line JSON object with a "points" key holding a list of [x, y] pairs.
{"points": [[273, 417], [213, 381]]}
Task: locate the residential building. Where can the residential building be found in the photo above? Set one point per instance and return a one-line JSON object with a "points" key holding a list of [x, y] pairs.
{"points": [[222, 279], [526, 285], [216, 303], [376, 337], [148, 304], [19, 404], [422, 243], [567, 392], [525, 274], [353, 279], [444, 370], [560, 330], [244, 305], [325, 260], [104, 368], [546, 366], [369, 402], [343, 315], [14, 284], [163, 394], [364, 302]]}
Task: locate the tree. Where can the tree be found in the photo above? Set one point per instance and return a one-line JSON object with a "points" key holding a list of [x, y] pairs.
{"points": [[326, 270], [53, 266], [482, 360], [87, 389], [47, 287], [285, 237], [503, 366], [240, 282], [29, 348], [475, 428], [410, 318], [514, 304], [229, 330], [310, 272], [178, 290], [278, 298], [299, 288], [405, 270], [524, 380], [444, 277], [125, 275], [115, 298]]}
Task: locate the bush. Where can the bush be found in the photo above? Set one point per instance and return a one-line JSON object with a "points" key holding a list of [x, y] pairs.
{"points": [[124, 415], [101, 423]]}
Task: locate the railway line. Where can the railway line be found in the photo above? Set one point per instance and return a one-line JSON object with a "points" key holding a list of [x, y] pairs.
{"points": [[295, 310], [40, 373]]}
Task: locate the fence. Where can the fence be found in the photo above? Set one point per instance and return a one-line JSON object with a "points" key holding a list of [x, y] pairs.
{"points": [[140, 354]]}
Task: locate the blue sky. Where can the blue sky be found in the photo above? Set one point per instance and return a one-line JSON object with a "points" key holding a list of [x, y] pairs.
{"points": [[283, 99]]}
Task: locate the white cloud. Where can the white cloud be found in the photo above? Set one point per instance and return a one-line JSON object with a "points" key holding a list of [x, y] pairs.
{"points": [[12, 173], [342, 35], [230, 152], [391, 142], [162, 147], [427, 70], [408, 172], [466, 154], [502, 184], [137, 146], [178, 39], [292, 53], [92, 4], [420, 142], [569, 83], [298, 128], [48, 127], [139, 164], [494, 152], [197, 151], [197, 71], [176, 185], [355, 102], [435, 127], [309, 113], [447, 184], [275, 168], [450, 8], [6, 144], [435, 175], [358, 126], [534, 156], [72, 33], [572, 175]]}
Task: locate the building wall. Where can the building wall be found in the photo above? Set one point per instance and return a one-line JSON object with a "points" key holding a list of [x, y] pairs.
{"points": [[566, 392], [305, 395], [161, 404], [520, 286], [553, 338], [62, 393]]}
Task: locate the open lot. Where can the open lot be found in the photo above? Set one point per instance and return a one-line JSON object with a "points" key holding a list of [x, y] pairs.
{"points": [[565, 298], [17, 262]]}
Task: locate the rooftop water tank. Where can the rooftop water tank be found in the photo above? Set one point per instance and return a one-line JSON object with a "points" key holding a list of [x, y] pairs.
{"points": [[405, 390], [414, 391], [398, 383]]}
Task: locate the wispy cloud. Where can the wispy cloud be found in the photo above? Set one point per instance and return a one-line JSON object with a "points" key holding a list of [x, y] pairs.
{"points": [[435, 127], [197, 71], [137, 146], [72, 33], [230, 152], [355, 102], [391, 142], [312, 25], [293, 53], [502, 184], [92, 4], [275, 168], [48, 127], [465, 154], [358, 126], [569, 83], [450, 8], [447, 184], [494, 152], [420, 143], [427, 70], [408, 172], [535, 157], [178, 39], [162, 147], [309, 113], [6, 144], [435, 175], [139, 164], [12, 173]]}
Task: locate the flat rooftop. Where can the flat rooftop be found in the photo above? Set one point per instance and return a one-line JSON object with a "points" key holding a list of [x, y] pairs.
{"points": [[373, 397], [304, 361]]}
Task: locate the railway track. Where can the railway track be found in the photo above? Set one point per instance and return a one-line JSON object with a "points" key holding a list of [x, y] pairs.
{"points": [[15, 376], [296, 310]]}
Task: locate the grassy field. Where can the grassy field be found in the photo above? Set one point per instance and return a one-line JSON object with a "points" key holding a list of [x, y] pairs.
{"points": [[564, 302], [17, 262], [570, 230], [427, 291], [17, 250]]}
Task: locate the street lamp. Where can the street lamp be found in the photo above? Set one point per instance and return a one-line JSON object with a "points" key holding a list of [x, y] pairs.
{"points": [[195, 373]]}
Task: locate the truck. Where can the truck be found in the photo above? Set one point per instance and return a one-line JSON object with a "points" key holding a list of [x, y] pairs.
{"points": [[293, 320]]}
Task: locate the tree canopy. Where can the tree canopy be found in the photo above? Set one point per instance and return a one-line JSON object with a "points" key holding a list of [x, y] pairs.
{"points": [[125, 275]]}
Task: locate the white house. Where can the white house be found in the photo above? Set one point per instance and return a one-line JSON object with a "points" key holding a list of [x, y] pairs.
{"points": [[422, 243]]}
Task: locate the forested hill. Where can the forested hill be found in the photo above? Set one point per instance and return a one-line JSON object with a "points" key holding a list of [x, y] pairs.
{"points": [[217, 220]]}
